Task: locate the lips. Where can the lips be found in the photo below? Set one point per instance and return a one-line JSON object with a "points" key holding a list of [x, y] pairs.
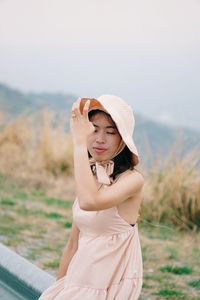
{"points": [[99, 150]]}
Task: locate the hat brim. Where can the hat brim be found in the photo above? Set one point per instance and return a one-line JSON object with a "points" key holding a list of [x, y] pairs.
{"points": [[94, 104]]}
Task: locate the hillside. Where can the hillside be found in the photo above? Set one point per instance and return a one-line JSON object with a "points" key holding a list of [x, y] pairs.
{"points": [[151, 138], [155, 139], [15, 103]]}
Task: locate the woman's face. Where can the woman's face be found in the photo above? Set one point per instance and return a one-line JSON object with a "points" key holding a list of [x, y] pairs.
{"points": [[103, 143]]}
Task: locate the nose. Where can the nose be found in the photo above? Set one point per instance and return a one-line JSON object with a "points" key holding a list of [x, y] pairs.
{"points": [[100, 138]]}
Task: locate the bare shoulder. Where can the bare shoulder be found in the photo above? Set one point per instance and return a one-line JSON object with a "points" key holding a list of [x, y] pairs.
{"points": [[136, 174], [126, 186], [133, 177]]}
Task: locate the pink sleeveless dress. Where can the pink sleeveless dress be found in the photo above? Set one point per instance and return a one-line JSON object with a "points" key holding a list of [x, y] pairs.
{"points": [[108, 262]]}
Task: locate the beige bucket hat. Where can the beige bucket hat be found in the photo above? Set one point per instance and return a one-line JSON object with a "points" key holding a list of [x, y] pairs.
{"points": [[122, 115]]}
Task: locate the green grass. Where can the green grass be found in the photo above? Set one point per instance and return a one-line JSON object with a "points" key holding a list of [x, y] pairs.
{"points": [[7, 201], [25, 211], [196, 252], [146, 251], [53, 264], [154, 276], [32, 256], [8, 230], [149, 276], [147, 286], [21, 195], [195, 284], [158, 231], [48, 248], [38, 193], [171, 294], [67, 224], [176, 270], [58, 202], [38, 226], [53, 215], [13, 241], [172, 253]]}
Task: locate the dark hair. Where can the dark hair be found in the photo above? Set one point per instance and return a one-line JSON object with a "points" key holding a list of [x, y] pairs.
{"points": [[124, 160]]}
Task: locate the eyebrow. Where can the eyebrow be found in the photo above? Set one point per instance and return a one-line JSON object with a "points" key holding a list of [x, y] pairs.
{"points": [[109, 126]]}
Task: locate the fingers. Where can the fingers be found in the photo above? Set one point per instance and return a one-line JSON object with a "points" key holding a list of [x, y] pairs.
{"points": [[86, 108], [75, 108]]}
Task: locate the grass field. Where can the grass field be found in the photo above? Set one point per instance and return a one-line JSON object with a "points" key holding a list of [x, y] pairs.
{"points": [[37, 227]]}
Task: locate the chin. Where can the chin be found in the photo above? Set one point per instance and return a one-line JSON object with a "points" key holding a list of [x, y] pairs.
{"points": [[99, 157]]}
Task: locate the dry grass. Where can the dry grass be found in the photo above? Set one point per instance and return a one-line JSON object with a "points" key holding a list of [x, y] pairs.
{"points": [[172, 191], [36, 152]]}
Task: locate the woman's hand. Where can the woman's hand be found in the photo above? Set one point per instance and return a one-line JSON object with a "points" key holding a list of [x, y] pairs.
{"points": [[80, 125]]}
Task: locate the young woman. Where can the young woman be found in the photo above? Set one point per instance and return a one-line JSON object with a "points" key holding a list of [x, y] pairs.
{"points": [[102, 259]]}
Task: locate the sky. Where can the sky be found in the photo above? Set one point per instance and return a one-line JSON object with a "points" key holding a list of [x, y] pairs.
{"points": [[147, 52]]}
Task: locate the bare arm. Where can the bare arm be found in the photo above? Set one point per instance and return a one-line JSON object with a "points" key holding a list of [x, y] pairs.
{"points": [[68, 252]]}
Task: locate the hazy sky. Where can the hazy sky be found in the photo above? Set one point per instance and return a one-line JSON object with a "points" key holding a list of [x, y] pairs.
{"points": [[146, 51]]}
